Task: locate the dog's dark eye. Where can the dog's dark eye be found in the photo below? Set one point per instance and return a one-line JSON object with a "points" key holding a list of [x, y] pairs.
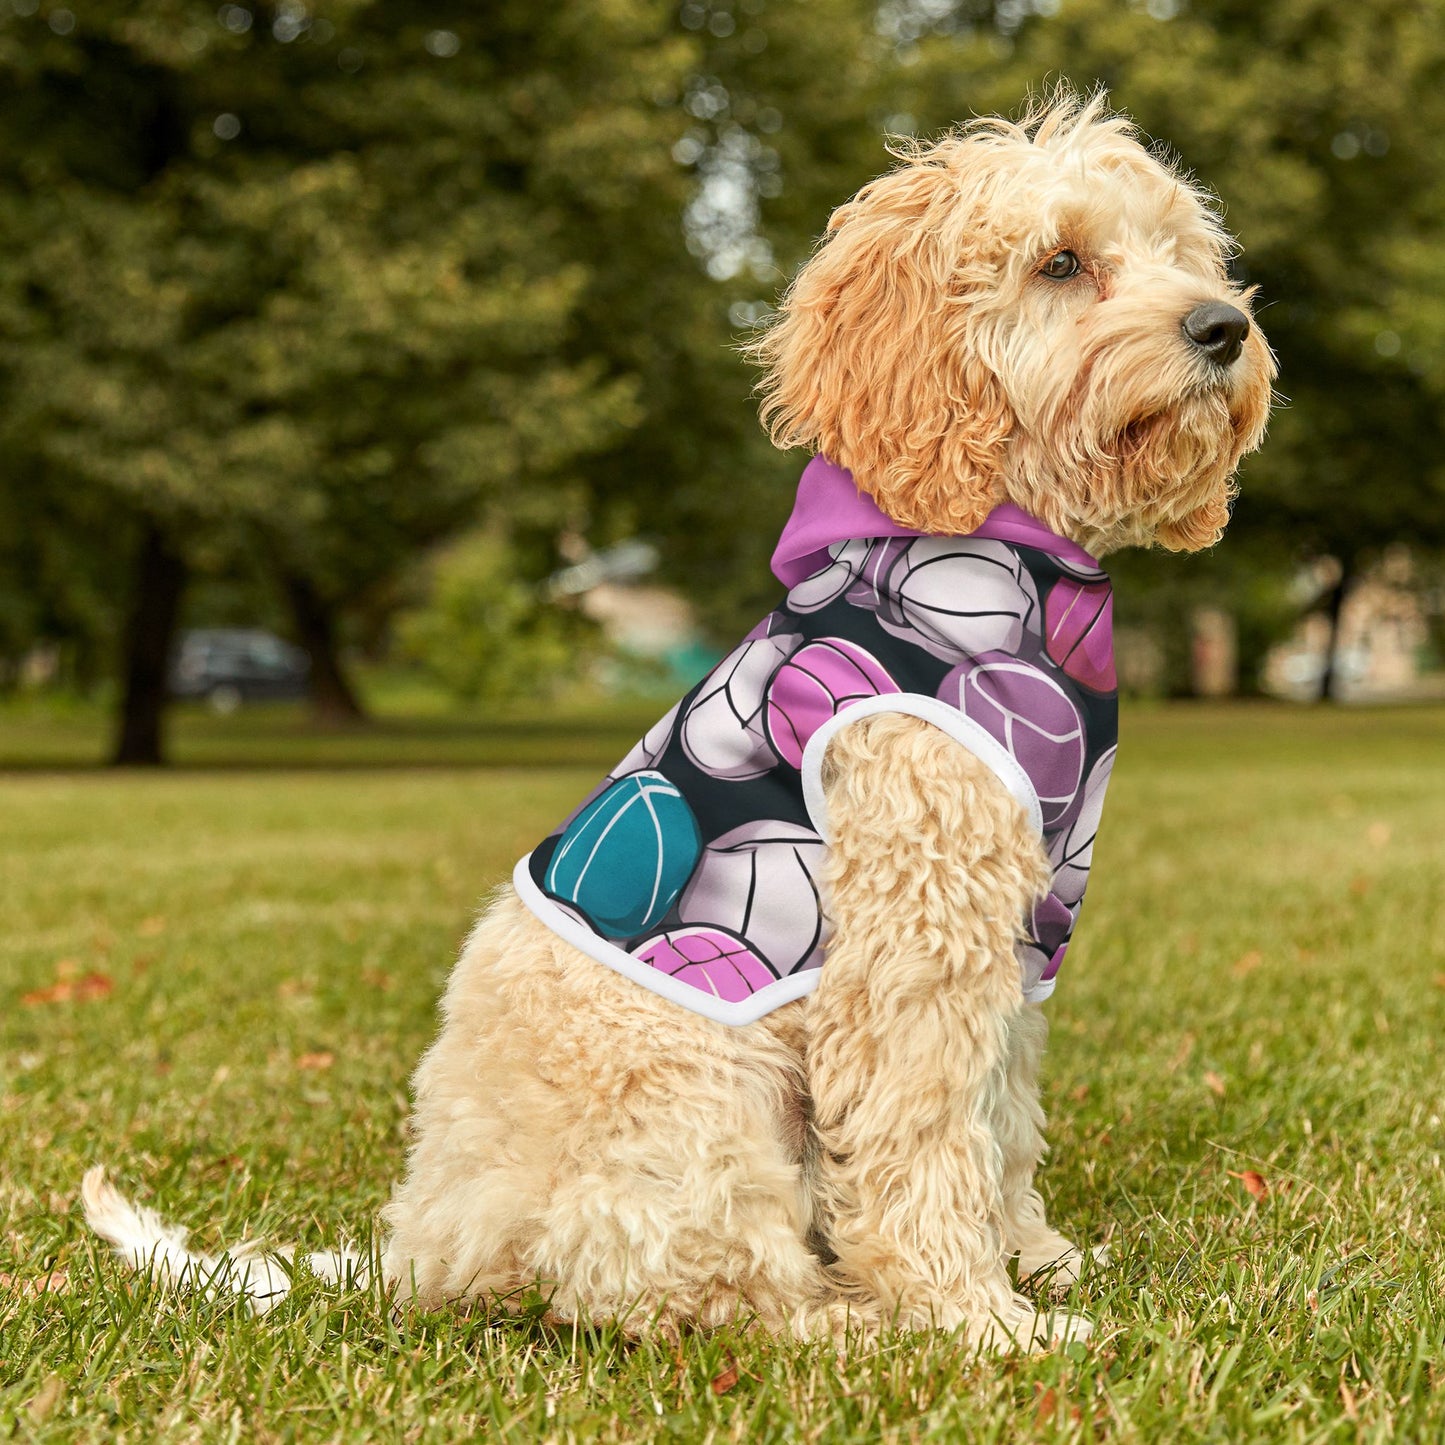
{"points": [[1060, 266]]}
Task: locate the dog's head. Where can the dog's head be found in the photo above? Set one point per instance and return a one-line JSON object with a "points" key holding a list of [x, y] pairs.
{"points": [[1036, 312]]}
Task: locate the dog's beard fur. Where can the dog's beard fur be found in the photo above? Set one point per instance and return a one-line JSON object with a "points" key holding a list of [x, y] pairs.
{"points": [[1139, 447]]}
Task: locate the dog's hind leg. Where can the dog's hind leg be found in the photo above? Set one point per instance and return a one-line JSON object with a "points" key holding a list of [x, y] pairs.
{"points": [[576, 1134], [932, 867]]}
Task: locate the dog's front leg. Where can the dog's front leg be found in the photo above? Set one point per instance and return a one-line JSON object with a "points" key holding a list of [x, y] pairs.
{"points": [[1044, 1255], [932, 867]]}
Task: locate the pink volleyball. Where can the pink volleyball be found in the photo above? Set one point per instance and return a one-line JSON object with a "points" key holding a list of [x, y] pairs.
{"points": [[957, 598], [1072, 852], [760, 882], [1033, 717], [1079, 631], [819, 680], [708, 959], [722, 731]]}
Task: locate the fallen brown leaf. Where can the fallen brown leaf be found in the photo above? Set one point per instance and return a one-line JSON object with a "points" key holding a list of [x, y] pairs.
{"points": [[1360, 885], [723, 1382], [56, 993], [1181, 1054], [1214, 1083], [321, 1059], [1440, 980], [1248, 962], [56, 1282], [1079, 1094], [1046, 1407], [1347, 1399], [1255, 1184], [66, 990]]}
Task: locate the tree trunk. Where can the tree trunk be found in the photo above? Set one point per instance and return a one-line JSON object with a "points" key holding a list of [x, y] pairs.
{"points": [[160, 578], [333, 699], [1329, 676]]}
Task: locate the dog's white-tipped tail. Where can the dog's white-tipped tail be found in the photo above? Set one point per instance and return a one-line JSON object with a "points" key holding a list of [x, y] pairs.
{"points": [[139, 1235], [147, 1243]]}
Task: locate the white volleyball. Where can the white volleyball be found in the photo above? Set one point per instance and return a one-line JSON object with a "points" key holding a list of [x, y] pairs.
{"points": [[760, 882], [722, 730], [959, 598], [1072, 852], [832, 581]]}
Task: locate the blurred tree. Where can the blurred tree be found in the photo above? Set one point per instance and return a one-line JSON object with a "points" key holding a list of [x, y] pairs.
{"points": [[307, 282], [486, 634], [329, 283]]}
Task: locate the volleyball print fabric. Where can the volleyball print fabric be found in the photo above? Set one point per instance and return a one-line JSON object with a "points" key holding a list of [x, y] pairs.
{"points": [[695, 866], [623, 860], [820, 679]]}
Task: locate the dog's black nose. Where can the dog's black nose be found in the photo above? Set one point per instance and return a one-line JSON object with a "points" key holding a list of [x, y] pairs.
{"points": [[1218, 330]]}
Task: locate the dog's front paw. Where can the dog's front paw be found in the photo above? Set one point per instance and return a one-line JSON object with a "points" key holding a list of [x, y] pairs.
{"points": [[1057, 1269], [1023, 1326]]}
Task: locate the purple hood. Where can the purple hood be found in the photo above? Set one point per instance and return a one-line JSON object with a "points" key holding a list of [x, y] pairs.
{"points": [[830, 508]]}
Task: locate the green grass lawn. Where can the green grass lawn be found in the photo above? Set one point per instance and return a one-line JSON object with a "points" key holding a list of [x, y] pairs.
{"points": [[252, 958]]}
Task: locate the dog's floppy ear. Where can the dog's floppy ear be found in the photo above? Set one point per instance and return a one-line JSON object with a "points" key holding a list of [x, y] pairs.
{"points": [[872, 358]]}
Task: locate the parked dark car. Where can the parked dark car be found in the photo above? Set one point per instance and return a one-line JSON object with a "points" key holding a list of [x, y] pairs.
{"points": [[230, 665]]}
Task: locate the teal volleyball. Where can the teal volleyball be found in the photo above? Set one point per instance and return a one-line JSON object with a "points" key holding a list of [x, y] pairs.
{"points": [[625, 857]]}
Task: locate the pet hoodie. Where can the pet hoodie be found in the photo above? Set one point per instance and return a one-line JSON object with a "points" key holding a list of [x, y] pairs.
{"points": [[693, 867]]}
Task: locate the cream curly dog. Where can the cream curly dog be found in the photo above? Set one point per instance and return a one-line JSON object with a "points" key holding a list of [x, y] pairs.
{"points": [[1029, 320]]}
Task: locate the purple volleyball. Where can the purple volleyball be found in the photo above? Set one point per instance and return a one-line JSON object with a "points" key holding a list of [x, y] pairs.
{"points": [[820, 679], [1050, 927], [1072, 851], [1033, 717], [709, 959], [759, 882], [957, 598], [1079, 631], [722, 731]]}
